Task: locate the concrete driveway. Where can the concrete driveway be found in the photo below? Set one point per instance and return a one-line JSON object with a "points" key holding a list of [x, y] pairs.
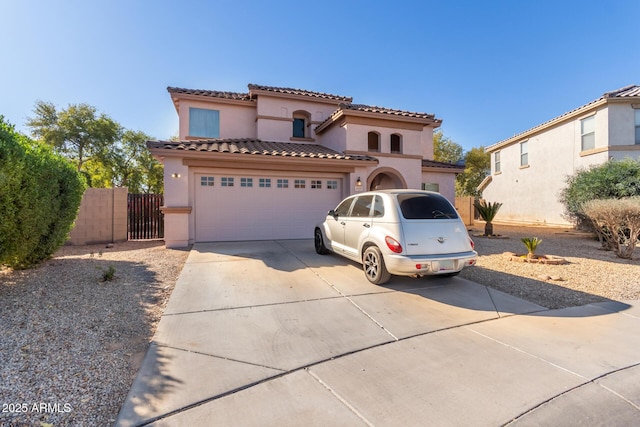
{"points": [[271, 334]]}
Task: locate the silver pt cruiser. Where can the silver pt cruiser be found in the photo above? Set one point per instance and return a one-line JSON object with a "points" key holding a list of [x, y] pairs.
{"points": [[402, 232]]}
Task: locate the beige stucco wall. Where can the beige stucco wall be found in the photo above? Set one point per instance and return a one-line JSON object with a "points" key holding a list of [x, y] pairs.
{"points": [[102, 217], [275, 117], [236, 121], [530, 194], [178, 184], [358, 139]]}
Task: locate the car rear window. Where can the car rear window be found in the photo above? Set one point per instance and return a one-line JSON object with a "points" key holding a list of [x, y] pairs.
{"points": [[426, 206]]}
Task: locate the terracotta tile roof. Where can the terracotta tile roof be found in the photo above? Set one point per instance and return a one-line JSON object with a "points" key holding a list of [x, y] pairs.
{"points": [[257, 147], [434, 164], [625, 92], [211, 93], [303, 92], [372, 109]]}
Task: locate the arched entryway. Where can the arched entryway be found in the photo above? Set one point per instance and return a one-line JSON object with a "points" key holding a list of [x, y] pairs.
{"points": [[385, 179]]}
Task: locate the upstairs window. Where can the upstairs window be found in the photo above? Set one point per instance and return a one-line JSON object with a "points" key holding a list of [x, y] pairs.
{"points": [[524, 153], [496, 162], [298, 128], [373, 141], [204, 123], [396, 143], [588, 133], [637, 126], [301, 120]]}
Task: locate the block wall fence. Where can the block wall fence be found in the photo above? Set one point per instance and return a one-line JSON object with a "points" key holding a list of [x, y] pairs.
{"points": [[102, 217]]}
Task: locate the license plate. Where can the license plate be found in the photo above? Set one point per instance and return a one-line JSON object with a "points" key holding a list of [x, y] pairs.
{"points": [[445, 265]]}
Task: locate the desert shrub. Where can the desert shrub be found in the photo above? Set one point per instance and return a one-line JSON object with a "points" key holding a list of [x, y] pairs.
{"points": [[531, 243], [617, 221], [40, 193], [487, 212], [614, 179]]}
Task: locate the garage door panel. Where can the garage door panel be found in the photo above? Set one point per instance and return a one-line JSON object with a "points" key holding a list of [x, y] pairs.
{"points": [[237, 212]]}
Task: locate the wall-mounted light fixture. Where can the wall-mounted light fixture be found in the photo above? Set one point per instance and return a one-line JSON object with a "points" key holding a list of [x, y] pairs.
{"points": [[175, 175], [359, 182]]}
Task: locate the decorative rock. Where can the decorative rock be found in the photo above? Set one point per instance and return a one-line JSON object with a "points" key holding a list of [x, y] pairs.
{"points": [[538, 259], [543, 277]]}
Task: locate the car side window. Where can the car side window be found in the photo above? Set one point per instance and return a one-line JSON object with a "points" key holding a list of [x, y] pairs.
{"points": [[343, 208], [362, 207], [378, 207]]}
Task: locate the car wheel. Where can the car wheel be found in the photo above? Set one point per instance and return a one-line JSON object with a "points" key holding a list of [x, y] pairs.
{"points": [[373, 266], [319, 242]]}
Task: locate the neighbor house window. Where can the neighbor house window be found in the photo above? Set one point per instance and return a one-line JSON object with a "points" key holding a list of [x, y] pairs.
{"points": [[396, 143], [524, 153], [226, 181], [204, 123], [373, 141], [588, 133], [496, 162], [430, 186], [637, 126]]}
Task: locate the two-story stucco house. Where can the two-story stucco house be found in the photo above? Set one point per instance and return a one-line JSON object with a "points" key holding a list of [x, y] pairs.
{"points": [[529, 170], [270, 163]]}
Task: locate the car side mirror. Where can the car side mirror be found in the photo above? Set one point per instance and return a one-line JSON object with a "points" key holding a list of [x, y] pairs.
{"points": [[332, 213]]}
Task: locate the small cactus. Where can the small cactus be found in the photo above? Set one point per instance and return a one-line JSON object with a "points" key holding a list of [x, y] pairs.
{"points": [[532, 244]]}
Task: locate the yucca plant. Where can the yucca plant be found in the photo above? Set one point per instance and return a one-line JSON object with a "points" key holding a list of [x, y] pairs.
{"points": [[532, 244], [487, 212]]}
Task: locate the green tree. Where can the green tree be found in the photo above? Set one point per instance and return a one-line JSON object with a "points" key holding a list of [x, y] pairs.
{"points": [[477, 165], [445, 150], [40, 194], [130, 164], [105, 153], [78, 132]]}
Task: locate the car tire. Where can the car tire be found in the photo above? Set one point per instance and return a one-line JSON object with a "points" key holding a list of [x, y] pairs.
{"points": [[318, 242], [373, 265]]}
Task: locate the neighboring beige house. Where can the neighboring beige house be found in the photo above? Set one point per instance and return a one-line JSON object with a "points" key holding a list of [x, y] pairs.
{"points": [[529, 170], [270, 163]]}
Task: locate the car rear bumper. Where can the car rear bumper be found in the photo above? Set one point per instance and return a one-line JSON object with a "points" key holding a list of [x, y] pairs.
{"points": [[405, 265]]}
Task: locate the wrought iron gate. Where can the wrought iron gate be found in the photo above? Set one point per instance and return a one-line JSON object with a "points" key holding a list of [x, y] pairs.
{"points": [[144, 218]]}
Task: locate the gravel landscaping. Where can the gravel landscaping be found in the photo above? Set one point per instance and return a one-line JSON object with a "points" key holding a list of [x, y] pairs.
{"points": [[590, 274], [72, 343]]}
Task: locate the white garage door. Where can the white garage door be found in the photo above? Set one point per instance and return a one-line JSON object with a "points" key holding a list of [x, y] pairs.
{"points": [[244, 207]]}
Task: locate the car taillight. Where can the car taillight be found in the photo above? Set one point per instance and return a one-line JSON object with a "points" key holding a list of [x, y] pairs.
{"points": [[393, 244], [473, 245]]}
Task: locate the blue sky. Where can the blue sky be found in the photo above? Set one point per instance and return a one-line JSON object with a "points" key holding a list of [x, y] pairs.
{"points": [[488, 69]]}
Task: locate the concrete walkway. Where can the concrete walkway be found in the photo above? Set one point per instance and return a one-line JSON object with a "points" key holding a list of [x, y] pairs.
{"points": [[272, 334]]}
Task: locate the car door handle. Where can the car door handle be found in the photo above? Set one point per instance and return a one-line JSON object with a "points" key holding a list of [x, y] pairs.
{"points": [[342, 223], [366, 225]]}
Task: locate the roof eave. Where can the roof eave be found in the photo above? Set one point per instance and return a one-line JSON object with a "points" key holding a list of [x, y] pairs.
{"points": [[253, 92], [550, 124]]}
